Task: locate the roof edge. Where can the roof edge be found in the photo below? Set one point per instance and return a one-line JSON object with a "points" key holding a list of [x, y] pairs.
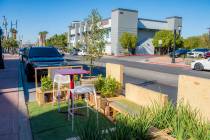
{"points": [[122, 9]]}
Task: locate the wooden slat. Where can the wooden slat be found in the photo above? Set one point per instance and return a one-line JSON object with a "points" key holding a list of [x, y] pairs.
{"points": [[49, 69]]}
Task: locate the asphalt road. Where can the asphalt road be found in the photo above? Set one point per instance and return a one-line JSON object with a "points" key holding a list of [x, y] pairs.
{"points": [[158, 68], [154, 80], [155, 77], [159, 78], [150, 67]]}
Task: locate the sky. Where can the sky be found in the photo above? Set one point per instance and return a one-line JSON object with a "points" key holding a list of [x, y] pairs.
{"points": [[55, 16]]}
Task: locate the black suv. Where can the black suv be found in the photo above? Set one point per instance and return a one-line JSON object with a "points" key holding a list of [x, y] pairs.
{"points": [[41, 57]]}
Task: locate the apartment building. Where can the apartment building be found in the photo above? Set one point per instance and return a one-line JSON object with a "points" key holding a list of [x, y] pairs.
{"points": [[125, 20]]}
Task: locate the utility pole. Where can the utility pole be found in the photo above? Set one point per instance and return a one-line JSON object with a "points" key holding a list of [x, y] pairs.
{"points": [[5, 24], [174, 47]]}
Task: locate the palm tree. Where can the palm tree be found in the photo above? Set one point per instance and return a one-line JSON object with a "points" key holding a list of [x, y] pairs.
{"points": [[14, 33], [42, 38]]}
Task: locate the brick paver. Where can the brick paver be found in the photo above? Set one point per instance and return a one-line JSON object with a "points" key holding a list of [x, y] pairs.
{"points": [[9, 99]]}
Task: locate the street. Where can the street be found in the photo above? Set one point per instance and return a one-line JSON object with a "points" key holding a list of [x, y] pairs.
{"points": [[159, 78], [163, 79]]}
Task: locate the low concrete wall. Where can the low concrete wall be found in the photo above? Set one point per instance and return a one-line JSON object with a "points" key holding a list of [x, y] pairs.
{"points": [[144, 97], [115, 71], [195, 92]]}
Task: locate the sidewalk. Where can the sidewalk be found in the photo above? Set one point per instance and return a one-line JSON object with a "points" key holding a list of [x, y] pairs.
{"points": [[13, 113], [166, 60], [155, 59]]}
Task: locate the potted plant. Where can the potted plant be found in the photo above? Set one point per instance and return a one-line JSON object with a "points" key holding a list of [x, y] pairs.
{"points": [[45, 92], [106, 88], [46, 83]]}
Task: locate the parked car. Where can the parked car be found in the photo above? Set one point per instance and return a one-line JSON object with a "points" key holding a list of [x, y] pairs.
{"points": [[41, 57], [21, 53], [199, 65], [179, 52], [82, 53], [74, 51], [197, 52], [207, 55]]}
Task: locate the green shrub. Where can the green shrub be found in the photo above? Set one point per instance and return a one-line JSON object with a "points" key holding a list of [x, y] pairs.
{"points": [[182, 120], [46, 83], [188, 125], [99, 83], [107, 87], [110, 88], [163, 115]]}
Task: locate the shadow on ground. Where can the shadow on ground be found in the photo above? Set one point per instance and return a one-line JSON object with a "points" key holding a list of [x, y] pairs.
{"points": [[48, 124]]}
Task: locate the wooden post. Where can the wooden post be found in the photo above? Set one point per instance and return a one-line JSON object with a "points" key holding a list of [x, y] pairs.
{"points": [[36, 85]]}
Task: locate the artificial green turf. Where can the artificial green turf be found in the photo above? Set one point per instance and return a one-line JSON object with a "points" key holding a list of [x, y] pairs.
{"points": [[48, 124]]}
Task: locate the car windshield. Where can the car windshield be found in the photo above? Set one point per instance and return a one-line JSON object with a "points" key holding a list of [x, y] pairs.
{"points": [[44, 52], [201, 50]]}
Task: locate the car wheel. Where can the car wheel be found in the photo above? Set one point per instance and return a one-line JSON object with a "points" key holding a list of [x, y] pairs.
{"points": [[29, 74], [198, 67], [200, 55]]}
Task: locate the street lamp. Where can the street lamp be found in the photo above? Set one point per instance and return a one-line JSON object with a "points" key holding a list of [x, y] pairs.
{"points": [[174, 47], [1, 56], [160, 42], [209, 32]]}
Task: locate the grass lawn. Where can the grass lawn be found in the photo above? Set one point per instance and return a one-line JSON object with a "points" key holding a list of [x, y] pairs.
{"points": [[48, 124]]}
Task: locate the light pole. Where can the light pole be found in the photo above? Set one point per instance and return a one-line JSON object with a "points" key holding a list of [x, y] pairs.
{"points": [[160, 42], [209, 33], [1, 56], [174, 47]]}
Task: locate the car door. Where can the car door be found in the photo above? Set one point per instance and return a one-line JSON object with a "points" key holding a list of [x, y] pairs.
{"points": [[207, 65]]}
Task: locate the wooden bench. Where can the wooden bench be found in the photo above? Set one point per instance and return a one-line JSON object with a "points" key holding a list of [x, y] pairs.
{"points": [[135, 98]]}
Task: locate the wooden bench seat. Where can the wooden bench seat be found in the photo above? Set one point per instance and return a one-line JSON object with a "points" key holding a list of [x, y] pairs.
{"points": [[125, 106], [135, 98]]}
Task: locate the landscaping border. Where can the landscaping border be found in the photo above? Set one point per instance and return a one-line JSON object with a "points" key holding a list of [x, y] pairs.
{"points": [[23, 118]]}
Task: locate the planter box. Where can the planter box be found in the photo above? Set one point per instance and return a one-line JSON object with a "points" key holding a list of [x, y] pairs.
{"points": [[88, 80], [102, 103], [47, 96]]}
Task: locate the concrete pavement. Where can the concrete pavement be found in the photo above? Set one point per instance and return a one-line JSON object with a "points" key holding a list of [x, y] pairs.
{"points": [[14, 123]]}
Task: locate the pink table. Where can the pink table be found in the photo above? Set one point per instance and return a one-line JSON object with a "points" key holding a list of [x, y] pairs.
{"points": [[71, 73]]}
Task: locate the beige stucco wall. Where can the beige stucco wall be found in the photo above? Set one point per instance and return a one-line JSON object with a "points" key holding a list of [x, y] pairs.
{"points": [[195, 92], [143, 96], [115, 71]]}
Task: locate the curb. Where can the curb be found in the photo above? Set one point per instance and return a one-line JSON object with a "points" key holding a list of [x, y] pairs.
{"points": [[169, 64], [23, 118]]}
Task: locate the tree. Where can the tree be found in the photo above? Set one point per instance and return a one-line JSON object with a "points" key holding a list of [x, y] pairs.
{"points": [[128, 41], [14, 33], [201, 41], [167, 38], [58, 41], [78, 45], [10, 45], [42, 38], [94, 38], [205, 41], [192, 42]]}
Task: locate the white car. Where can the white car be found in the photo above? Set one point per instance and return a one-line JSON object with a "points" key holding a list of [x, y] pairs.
{"points": [[203, 64], [199, 52], [82, 53]]}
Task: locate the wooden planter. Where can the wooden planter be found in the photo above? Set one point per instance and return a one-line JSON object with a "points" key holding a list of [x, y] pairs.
{"points": [[88, 81], [43, 97], [101, 102]]}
